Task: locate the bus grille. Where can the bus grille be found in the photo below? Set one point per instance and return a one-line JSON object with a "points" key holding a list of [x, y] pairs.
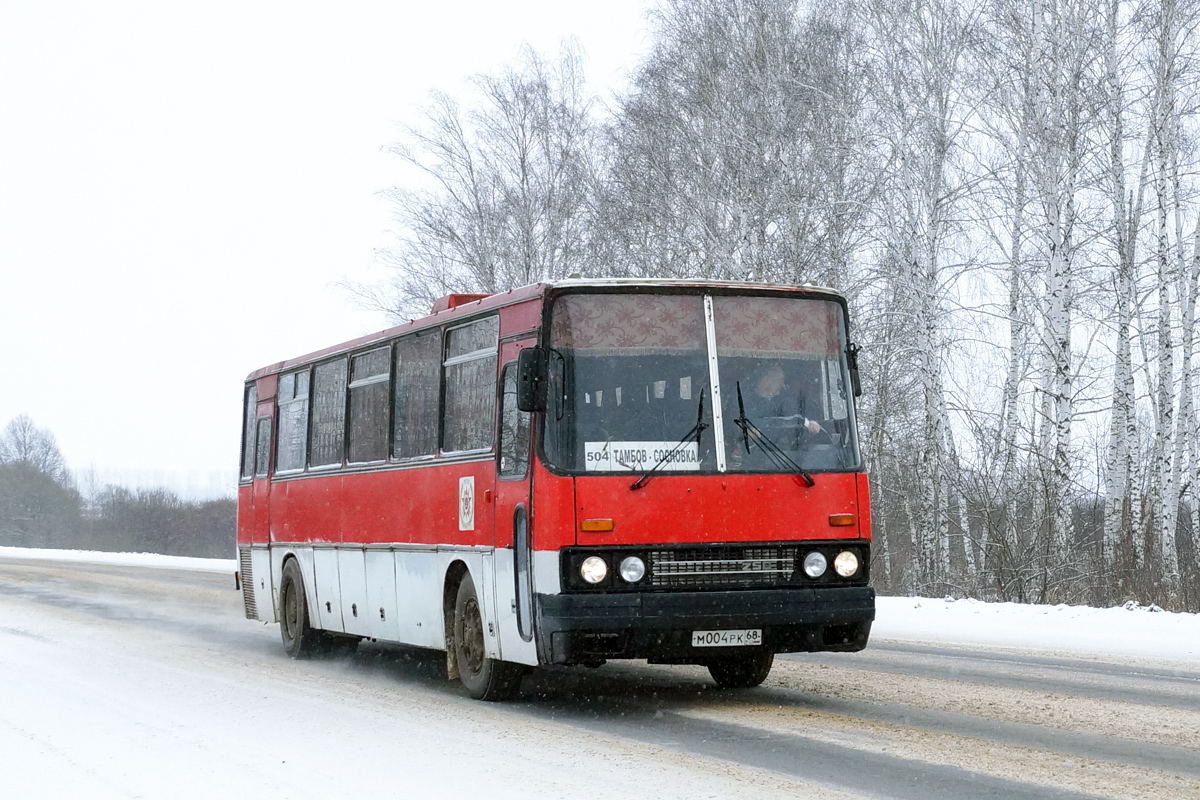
{"points": [[247, 583], [722, 567]]}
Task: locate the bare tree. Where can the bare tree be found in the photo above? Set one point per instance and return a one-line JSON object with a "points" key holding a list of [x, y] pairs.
{"points": [[1005, 190], [1168, 28], [740, 152], [24, 443], [1127, 213], [505, 193], [921, 52]]}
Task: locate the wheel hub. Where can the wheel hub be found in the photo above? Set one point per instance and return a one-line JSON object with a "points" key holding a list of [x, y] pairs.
{"points": [[291, 611], [473, 636]]}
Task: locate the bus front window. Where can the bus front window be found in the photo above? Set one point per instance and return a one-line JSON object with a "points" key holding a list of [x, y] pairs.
{"points": [[783, 372], [626, 375], [630, 376]]}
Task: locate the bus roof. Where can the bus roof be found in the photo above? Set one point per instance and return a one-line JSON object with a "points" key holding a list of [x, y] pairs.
{"points": [[522, 294]]}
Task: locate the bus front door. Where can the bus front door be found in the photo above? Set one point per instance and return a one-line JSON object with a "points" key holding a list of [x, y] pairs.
{"points": [[260, 506], [514, 585]]}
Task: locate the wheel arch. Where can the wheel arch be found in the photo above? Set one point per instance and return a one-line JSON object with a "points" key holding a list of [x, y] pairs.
{"points": [[287, 558], [308, 579], [454, 575]]}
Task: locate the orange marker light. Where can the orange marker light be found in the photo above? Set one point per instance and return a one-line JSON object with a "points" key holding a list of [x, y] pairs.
{"points": [[842, 520], [596, 525]]}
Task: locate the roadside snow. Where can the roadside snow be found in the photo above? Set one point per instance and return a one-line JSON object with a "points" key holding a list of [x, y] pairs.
{"points": [[223, 565], [1129, 631]]}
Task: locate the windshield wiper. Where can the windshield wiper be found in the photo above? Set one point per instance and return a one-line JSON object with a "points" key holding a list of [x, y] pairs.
{"points": [[773, 451], [696, 430]]}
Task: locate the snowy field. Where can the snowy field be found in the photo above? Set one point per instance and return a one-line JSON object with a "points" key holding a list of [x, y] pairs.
{"points": [[1125, 632], [228, 565], [1129, 632]]}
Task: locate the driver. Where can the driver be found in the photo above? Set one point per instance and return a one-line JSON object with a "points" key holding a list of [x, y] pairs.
{"points": [[807, 396], [771, 398]]}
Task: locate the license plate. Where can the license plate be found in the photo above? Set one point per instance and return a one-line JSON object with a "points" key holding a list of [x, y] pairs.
{"points": [[727, 638]]}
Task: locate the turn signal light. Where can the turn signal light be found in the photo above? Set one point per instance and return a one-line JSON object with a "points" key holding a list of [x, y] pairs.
{"points": [[841, 520], [596, 525]]}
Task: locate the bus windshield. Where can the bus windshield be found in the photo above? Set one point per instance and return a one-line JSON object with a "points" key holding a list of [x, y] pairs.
{"points": [[632, 374]]}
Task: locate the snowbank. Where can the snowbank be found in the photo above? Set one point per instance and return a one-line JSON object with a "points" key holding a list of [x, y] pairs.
{"points": [[1129, 631], [223, 565]]}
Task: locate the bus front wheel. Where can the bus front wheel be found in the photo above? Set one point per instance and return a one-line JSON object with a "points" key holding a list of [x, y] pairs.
{"points": [[485, 678], [741, 671]]}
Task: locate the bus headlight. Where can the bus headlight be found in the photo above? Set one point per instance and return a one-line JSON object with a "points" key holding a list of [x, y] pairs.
{"points": [[814, 564], [593, 569], [633, 569], [846, 564]]}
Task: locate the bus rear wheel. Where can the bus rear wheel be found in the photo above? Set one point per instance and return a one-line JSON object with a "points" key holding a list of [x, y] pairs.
{"points": [[742, 671], [300, 638], [485, 678]]}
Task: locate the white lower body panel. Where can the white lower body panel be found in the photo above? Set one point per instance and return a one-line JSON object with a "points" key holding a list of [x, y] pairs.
{"points": [[395, 593], [260, 583], [512, 646]]}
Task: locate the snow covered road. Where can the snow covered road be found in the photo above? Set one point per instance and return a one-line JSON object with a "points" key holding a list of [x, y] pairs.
{"points": [[121, 681]]}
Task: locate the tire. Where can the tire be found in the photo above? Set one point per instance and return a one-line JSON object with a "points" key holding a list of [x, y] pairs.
{"points": [[485, 678], [742, 671], [300, 638]]}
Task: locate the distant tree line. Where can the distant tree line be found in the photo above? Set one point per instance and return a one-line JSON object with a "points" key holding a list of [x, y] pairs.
{"points": [[1007, 191], [41, 505]]}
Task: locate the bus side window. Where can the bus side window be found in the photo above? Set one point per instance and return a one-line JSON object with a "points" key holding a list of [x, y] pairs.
{"points": [[369, 401], [468, 412], [291, 448], [514, 429], [329, 414], [262, 455], [415, 416], [248, 432]]}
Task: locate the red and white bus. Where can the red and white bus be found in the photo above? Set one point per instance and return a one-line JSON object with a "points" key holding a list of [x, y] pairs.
{"points": [[567, 473]]}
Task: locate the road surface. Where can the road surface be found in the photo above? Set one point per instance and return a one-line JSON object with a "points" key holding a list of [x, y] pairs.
{"points": [[135, 682]]}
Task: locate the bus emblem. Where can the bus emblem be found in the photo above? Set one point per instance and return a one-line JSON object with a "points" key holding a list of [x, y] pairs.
{"points": [[466, 504]]}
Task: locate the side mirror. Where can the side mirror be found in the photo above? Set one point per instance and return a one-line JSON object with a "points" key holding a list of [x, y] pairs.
{"points": [[852, 362], [531, 379]]}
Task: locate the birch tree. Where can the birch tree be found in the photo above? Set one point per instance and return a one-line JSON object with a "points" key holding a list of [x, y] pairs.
{"points": [[921, 52], [1004, 190], [1127, 205], [739, 152], [1168, 24], [1008, 119], [1066, 45], [504, 188]]}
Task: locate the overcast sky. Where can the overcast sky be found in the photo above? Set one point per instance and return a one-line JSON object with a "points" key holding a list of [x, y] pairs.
{"points": [[180, 185]]}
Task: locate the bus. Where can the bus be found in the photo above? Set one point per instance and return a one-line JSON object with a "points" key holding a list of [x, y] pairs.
{"points": [[567, 473]]}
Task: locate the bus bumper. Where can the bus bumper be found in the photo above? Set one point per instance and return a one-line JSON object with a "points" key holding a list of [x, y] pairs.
{"points": [[586, 628]]}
